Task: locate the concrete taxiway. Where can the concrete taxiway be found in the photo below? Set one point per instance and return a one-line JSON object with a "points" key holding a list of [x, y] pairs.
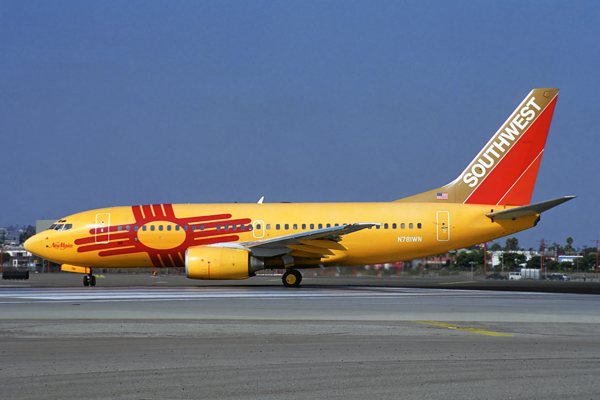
{"points": [[260, 340], [590, 286]]}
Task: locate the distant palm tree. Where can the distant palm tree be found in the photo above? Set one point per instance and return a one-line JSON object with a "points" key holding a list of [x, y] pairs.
{"points": [[569, 246]]}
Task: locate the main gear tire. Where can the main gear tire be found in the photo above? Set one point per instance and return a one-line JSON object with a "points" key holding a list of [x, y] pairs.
{"points": [[291, 278]]}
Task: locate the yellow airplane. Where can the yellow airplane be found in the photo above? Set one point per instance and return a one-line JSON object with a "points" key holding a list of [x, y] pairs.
{"points": [[489, 199]]}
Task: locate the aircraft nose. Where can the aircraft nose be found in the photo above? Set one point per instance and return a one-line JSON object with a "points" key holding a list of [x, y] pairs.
{"points": [[35, 244]]}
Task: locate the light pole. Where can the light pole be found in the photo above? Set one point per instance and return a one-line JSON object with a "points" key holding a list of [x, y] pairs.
{"points": [[597, 248], [471, 262], [542, 262]]}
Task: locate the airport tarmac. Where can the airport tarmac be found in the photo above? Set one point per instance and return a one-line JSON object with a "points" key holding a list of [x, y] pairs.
{"points": [[590, 286], [256, 339]]}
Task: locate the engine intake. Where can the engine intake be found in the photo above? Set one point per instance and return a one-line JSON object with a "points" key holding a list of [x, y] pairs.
{"points": [[208, 262]]}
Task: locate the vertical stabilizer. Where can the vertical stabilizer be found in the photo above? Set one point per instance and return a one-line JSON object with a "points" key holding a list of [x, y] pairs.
{"points": [[505, 170]]}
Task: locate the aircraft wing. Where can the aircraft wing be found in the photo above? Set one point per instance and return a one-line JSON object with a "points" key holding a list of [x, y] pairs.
{"points": [[528, 210], [311, 244]]}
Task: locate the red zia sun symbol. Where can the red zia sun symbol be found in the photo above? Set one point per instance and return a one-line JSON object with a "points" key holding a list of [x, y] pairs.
{"points": [[181, 233]]}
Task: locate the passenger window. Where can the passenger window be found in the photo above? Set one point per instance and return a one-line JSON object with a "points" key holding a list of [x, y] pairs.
{"points": [[250, 227], [152, 227], [287, 227], [410, 226], [385, 226], [320, 226], [419, 225], [234, 227], [312, 226], [128, 228], [177, 227], [394, 225], [218, 227], [295, 227], [226, 227], [144, 228], [303, 226], [329, 225], [168, 227], [119, 228], [402, 226], [268, 227], [160, 227], [185, 228], [277, 226], [258, 226], [378, 226], [201, 227], [193, 228], [337, 224]]}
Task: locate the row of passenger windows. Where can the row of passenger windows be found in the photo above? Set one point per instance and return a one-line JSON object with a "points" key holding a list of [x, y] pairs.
{"points": [[321, 226], [248, 227], [66, 227], [184, 227]]}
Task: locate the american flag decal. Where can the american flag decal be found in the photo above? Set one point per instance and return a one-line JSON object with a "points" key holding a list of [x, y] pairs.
{"points": [[442, 196]]}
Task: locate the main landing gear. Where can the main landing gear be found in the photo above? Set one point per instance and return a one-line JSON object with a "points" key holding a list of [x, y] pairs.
{"points": [[291, 278], [89, 280]]}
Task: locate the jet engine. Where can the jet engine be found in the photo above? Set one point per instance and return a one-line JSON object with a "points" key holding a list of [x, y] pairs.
{"points": [[211, 262]]}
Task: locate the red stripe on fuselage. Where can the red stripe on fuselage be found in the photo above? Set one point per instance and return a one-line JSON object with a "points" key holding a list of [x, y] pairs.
{"points": [[158, 210], [147, 212]]}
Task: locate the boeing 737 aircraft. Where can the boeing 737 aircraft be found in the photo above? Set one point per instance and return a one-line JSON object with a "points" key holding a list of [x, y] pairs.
{"points": [[488, 200]]}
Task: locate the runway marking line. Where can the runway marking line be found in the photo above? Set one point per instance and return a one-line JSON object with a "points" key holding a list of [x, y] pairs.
{"points": [[454, 283], [472, 330]]}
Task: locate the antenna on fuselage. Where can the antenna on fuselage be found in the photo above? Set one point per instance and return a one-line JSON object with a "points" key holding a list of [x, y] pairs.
{"points": [[261, 200]]}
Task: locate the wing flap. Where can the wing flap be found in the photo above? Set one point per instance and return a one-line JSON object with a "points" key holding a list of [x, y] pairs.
{"points": [[325, 244], [325, 239], [310, 249], [305, 254]]}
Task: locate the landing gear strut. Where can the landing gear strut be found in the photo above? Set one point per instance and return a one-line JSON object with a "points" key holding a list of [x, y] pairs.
{"points": [[291, 278], [89, 280]]}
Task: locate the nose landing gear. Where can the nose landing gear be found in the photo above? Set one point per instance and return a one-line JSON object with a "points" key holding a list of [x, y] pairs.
{"points": [[89, 280]]}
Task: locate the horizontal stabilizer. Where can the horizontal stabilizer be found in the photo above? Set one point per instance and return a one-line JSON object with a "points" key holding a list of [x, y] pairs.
{"points": [[528, 210]]}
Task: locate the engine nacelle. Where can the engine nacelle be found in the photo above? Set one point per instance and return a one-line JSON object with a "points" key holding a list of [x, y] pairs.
{"points": [[208, 262]]}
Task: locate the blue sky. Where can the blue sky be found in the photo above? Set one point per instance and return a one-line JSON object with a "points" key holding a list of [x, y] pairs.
{"points": [[117, 103]]}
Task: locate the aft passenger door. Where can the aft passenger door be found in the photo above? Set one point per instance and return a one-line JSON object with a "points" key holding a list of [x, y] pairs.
{"points": [[443, 226]]}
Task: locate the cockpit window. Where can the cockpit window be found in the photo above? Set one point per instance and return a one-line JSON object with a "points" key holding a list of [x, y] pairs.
{"points": [[52, 226], [67, 227], [59, 227]]}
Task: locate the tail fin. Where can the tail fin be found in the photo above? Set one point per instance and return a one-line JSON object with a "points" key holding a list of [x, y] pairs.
{"points": [[505, 170]]}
